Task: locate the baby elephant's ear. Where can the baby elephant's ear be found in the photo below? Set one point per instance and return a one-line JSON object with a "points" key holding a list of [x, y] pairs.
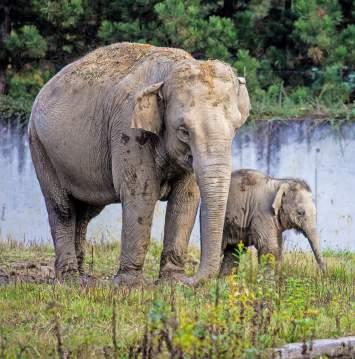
{"points": [[276, 205], [146, 114]]}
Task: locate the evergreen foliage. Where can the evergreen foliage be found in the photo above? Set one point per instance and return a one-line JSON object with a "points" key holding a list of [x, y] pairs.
{"points": [[302, 50]]}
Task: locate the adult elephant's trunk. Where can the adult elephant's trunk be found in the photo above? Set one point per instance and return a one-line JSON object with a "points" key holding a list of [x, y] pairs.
{"points": [[213, 173], [313, 239]]}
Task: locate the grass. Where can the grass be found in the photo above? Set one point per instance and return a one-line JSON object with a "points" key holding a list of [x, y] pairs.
{"points": [[266, 107], [241, 316]]}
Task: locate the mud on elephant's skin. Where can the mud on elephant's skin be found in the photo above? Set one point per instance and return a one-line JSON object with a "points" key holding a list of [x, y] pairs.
{"points": [[134, 124], [259, 209]]}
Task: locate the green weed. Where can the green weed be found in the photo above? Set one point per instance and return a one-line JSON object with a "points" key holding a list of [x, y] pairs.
{"points": [[260, 307]]}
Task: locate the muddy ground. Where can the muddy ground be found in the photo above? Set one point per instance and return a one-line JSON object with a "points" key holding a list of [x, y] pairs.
{"points": [[27, 272], [40, 273]]}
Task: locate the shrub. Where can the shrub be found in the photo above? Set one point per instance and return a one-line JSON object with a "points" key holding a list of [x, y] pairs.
{"points": [[26, 43], [26, 84], [299, 44], [12, 110]]}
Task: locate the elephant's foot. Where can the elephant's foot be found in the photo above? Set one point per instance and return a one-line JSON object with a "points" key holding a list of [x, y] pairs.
{"points": [[132, 278], [171, 276], [87, 280], [180, 277], [322, 266], [227, 271], [70, 276], [67, 273], [194, 281], [171, 272]]}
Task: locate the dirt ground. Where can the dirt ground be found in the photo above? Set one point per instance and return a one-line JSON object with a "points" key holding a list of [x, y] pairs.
{"points": [[27, 271]]}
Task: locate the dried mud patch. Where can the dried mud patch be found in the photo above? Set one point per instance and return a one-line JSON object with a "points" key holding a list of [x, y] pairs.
{"points": [[117, 60], [27, 272], [40, 273]]}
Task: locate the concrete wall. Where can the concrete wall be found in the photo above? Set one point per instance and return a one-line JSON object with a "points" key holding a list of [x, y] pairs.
{"points": [[322, 154]]}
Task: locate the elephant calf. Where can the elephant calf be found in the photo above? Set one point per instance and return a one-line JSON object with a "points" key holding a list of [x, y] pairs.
{"points": [[260, 208]]}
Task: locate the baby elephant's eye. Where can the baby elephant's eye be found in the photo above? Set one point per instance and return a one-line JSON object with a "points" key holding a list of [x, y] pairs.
{"points": [[183, 134], [301, 212]]}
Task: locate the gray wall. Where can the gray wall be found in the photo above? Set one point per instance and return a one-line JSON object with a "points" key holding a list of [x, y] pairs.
{"points": [[316, 151]]}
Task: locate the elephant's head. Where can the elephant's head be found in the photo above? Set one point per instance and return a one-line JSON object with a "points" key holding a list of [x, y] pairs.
{"points": [[196, 111], [294, 206]]}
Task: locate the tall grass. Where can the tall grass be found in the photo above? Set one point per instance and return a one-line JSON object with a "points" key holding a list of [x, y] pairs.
{"points": [[243, 315]]}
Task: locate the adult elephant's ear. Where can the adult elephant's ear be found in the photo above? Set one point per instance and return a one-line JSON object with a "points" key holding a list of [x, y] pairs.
{"points": [[243, 99], [147, 114], [276, 205]]}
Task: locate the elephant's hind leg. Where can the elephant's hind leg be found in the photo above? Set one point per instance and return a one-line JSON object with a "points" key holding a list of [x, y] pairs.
{"points": [[62, 223], [61, 211], [84, 214]]}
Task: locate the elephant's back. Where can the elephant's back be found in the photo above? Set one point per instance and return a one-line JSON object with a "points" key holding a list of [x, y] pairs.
{"points": [[244, 198], [81, 85], [111, 62], [91, 74], [245, 180], [114, 62]]}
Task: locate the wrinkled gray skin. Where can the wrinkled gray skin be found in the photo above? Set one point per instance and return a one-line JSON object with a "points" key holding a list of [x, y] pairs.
{"points": [[134, 124], [259, 209]]}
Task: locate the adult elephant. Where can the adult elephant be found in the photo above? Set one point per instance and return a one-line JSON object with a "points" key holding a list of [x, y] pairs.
{"points": [[134, 124]]}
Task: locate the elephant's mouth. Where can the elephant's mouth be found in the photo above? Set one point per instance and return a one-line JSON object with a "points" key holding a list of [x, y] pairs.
{"points": [[186, 162], [189, 160]]}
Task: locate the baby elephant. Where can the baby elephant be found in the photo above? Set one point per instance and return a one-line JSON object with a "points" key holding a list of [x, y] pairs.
{"points": [[259, 209]]}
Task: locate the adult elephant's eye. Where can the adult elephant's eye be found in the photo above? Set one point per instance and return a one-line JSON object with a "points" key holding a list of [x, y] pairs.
{"points": [[183, 134], [301, 211]]}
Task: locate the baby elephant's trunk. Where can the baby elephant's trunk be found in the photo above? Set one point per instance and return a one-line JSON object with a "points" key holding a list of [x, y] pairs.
{"points": [[313, 239]]}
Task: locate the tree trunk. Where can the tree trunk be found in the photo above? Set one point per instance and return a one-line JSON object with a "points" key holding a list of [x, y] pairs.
{"points": [[2, 82], [5, 29]]}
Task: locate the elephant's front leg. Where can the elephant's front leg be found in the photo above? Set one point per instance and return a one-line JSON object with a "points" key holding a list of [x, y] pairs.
{"points": [[179, 220], [137, 219], [268, 244]]}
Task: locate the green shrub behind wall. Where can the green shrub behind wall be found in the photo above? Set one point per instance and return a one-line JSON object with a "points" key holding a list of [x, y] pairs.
{"points": [[301, 49]]}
